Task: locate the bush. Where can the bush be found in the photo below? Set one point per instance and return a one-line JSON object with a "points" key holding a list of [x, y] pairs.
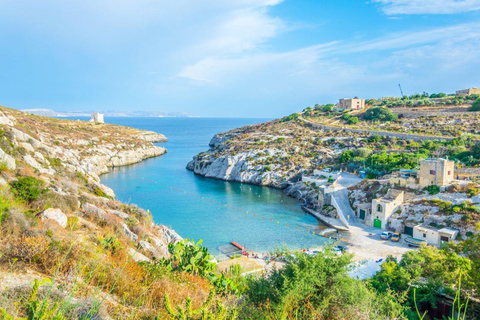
{"points": [[66, 203], [475, 105], [28, 188], [291, 117], [352, 120], [380, 114], [433, 189], [316, 287]]}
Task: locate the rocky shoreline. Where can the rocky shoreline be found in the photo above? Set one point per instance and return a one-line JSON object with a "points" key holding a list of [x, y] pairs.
{"points": [[69, 156], [239, 168]]}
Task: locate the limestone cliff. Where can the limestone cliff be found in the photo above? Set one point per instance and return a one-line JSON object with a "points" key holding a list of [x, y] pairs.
{"points": [[68, 157]]}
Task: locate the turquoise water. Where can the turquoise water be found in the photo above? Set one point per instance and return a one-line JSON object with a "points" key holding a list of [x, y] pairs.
{"points": [[194, 217]]}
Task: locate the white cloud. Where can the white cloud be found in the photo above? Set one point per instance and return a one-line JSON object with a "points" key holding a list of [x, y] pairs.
{"points": [[392, 7], [419, 60]]}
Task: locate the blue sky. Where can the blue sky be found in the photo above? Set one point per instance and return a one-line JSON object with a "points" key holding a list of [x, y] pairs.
{"points": [[235, 58]]}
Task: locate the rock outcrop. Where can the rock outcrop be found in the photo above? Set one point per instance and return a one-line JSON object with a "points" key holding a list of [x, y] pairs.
{"points": [[56, 215]]}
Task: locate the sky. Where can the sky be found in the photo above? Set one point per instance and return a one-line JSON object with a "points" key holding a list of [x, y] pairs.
{"points": [[231, 58]]}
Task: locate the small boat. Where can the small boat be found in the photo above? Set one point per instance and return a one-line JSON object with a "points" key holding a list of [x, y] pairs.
{"points": [[413, 242]]}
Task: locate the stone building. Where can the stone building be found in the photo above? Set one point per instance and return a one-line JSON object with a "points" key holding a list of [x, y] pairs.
{"points": [[383, 208], [438, 172], [97, 117], [351, 104], [405, 178], [467, 92]]}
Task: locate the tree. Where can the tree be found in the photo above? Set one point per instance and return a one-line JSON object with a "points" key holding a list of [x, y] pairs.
{"points": [[475, 105], [380, 114], [319, 287]]}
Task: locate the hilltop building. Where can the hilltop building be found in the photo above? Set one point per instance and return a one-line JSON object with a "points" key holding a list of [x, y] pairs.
{"points": [[97, 118], [467, 92], [438, 172], [351, 104]]}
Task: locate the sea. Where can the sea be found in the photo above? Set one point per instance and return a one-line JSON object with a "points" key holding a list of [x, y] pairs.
{"points": [[259, 218]]}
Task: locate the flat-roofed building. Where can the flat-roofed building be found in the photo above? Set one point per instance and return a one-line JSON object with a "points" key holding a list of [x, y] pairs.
{"points": [[351, 104], [97, 117], [434, 236], [467, 92], [436, 171]]}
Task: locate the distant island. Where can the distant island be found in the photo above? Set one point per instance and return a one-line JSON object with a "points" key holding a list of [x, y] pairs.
{"points": [[146, 114]]}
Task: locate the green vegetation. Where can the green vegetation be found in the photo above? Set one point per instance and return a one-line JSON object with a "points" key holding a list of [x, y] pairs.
{"points": [[475, 105], [317, 287], [433, 189], [291, 117], [432, 272], [28, 188], [380, 114]]}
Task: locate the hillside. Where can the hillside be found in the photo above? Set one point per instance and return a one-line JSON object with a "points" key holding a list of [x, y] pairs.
{"points": [[58, 222]]}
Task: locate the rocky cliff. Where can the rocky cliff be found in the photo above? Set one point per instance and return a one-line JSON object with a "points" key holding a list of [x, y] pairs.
{"points": [[52, 204], [275, 154]]}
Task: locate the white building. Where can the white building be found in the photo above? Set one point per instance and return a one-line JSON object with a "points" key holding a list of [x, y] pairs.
{"points": [[384, 207], [434, 236], [97, 118]]}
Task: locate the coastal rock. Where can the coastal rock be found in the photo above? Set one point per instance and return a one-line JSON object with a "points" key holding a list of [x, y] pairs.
{"points": [[8, 160], [168, 235], [119, 214], [5, 120], [137, 256], [238, 168], [93, 211], [157, 251], [219, 139], [152, 136], [56, 215], [129, 233]]}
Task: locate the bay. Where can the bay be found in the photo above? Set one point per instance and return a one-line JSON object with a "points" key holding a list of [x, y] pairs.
{"points": [[208, 209]]}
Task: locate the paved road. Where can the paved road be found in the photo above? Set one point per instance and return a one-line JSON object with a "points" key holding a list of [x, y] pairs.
{"points": [[341, 196], [400, 135]]}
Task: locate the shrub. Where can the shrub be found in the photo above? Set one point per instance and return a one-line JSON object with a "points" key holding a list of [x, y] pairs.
{"points": [[433, 189], [3, 166], [293, 116], [380, 114], [66, 203], [475, 105], [99, 192], [28, 188], [352, 120]]}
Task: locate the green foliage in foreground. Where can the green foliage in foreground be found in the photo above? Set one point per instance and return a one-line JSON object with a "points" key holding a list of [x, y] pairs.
{"points": [[431, 271], [191, 257], [317, 287]]}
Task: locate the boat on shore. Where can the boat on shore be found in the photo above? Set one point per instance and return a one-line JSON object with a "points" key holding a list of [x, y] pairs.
{"points": [[413, 242]]}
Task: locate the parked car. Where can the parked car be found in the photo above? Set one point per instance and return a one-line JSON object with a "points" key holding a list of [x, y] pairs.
{"points": [[341, 248], [396, 237], [386, 235]]}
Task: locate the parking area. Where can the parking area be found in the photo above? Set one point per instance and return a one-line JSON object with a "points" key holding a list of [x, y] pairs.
{"points": [[365, 243]]}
